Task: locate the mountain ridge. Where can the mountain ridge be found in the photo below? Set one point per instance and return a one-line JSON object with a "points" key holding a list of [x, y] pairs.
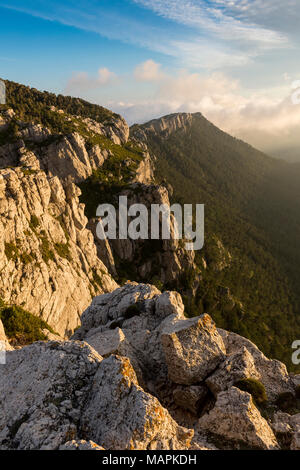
{"points": [[237, 277]]}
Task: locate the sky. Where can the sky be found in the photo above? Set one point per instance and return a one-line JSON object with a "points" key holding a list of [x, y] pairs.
{"points": [[236, 61]]}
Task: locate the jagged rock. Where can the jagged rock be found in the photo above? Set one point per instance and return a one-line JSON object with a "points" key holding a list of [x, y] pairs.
{"points": [[122, 416], [144, 172], [115, 307], [142, 312], [281, 423], [193, 349], [35, 133], [48, 259], [236, 419], [107, 342], [236, 367], [114, 342], [117, 129], [51, 393], [104, 250], [68, 157], [164, 126], [42, 390], [287, 429], [272, 373], [80, 445], [168, 257], [190, 398]]}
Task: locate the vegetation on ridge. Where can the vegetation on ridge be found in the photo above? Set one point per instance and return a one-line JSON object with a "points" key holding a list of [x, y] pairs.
{"points": [[21, 327], [32, 105], [252, 204]]}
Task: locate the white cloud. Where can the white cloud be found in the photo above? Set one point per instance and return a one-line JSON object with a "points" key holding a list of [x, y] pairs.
{"points": [[82, 81], [265, 118], [148, 71], [218, 18]]}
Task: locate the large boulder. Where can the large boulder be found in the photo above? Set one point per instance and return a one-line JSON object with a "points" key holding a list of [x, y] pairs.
{"points": [[235, 367], [42, 388], [245, 360], [129, 322], [122, 416], [114, 342], [236, 420], [130, 301], [193, 349], [287, 429], [56, 392]]}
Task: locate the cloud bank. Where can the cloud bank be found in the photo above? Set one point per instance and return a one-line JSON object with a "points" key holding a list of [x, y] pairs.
{"points": [[266, 118]]}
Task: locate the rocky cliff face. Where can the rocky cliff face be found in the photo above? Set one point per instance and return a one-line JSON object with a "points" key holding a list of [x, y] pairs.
{"points": [[48, 260], [164, 126], [51, 264], [139, 375]]}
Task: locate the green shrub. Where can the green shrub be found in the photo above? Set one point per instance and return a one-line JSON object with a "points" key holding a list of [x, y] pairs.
{"points": [[63, 250], [11, 251], [34, 222], [46, 252], [27, 258], [157, 283], [21, 327], [255, 388]]}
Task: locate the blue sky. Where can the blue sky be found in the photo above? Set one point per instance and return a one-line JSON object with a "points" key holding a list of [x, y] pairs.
{"points": [[234, 60]]}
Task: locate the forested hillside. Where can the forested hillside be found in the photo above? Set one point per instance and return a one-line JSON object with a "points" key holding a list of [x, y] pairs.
{"points": [[252, 204], [32, 105]]}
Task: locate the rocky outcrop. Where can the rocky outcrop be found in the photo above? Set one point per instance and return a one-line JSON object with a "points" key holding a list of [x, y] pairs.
{"points": [[287, 429], [61, 392], [163, 126], [68, 157], [48, 260], [235, 418], [163, 260], [139, 378], [116, 129], [193, 349], [129, 418], [246, 360], [182, 361]]}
